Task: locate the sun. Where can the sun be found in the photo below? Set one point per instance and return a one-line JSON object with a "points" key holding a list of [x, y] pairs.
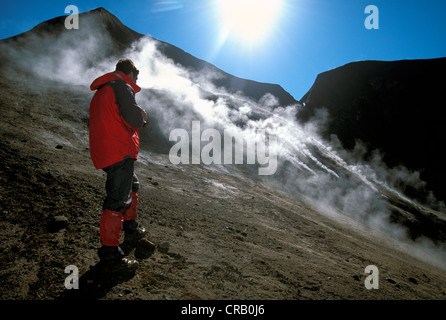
{"points": [[248, 21]]}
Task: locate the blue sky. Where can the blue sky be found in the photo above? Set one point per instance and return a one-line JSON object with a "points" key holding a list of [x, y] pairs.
{"points": [[306, 37]]}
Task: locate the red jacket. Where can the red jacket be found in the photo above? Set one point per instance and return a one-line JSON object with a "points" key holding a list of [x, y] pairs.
{"points": [[115, 119]]}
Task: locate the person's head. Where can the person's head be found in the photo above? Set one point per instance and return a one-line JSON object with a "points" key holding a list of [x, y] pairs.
{"points": [[128, 67]]}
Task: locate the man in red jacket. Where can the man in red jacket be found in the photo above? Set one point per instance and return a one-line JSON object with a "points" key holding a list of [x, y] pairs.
{"points": [[115, 119]]}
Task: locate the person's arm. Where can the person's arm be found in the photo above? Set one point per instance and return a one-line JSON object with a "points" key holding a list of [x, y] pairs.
{"points": [[132, 113]]}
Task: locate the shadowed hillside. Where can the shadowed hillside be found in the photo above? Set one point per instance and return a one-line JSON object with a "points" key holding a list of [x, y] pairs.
{"points": [[395, 107]]}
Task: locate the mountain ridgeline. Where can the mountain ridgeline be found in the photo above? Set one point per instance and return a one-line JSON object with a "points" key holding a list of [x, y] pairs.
{"points": [[122, 38]]}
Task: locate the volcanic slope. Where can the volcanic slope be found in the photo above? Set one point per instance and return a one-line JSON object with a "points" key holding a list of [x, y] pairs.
{"points": [[220, 233], [229, 237]]}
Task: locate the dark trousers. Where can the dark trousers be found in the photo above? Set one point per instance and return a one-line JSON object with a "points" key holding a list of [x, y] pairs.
{"points": [[121, 182]]}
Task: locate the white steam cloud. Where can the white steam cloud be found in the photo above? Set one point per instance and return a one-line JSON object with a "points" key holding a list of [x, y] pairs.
{"points": [[331, 177]]}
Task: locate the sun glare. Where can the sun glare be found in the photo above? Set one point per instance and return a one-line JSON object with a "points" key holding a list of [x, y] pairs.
{"points": [[249, 21]]}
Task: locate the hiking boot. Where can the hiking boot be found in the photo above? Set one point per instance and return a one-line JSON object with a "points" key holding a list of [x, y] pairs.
{"points": [[112, 259], [133, 231]]}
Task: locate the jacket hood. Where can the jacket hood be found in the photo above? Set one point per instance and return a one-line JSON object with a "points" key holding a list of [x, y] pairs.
{"points": [[112, 76]]}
